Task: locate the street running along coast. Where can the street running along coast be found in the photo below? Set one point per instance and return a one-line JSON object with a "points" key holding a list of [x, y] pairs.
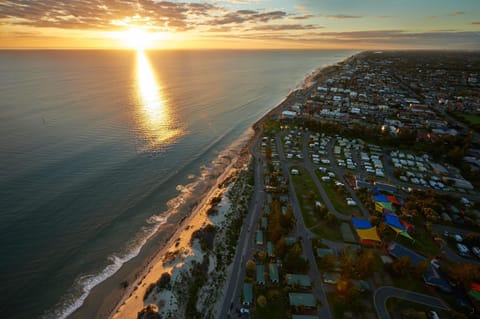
{"points": [[128, 301]]}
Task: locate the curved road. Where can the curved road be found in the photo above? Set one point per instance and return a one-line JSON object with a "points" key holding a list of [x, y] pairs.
{"points": [[381, 295]]}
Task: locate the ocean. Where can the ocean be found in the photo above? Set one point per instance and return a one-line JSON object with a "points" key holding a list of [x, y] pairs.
{"points": [[102, 153]]}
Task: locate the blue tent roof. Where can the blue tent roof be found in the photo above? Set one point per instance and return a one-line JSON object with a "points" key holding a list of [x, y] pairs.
{"points": [[381, 198], [434, 277], [397, 251], [392, 220], [361, 223]]}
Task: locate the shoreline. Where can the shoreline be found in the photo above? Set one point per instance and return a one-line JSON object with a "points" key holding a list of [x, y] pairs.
{"points": [[131, 300]]}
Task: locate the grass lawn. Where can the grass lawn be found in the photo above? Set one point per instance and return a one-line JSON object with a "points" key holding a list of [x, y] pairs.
{"points": [[338, 200], [410, 283], [326, 231], [304, 186], [276, 307], [472, 119], [413, 310], [360, 309], [423, 243]]}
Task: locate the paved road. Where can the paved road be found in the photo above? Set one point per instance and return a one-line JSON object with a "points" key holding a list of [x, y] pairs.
{"points": [[339, 173], [450, 253], [383, 293], [302, 232], [231, 297], [311, 170], [390, 177]]}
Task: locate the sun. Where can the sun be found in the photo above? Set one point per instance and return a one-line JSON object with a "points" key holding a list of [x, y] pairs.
{"points": [[138, 38]]}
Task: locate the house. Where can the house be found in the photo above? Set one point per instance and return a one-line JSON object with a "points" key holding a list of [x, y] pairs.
{"points": [[300, 280], [289, 114], [259, 237], [273, 272], [260, 273], [302, 299], [247, 296], [322, 252], [331, 277], [270, 250]]}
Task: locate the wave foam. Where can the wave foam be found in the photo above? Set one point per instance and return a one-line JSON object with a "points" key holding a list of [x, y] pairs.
{"points": [[188, 194]]}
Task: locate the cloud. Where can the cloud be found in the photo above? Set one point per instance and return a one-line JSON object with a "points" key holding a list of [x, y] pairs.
{"points": [[283, 27], [375, 38], [457, 13], [341, 16], [475, 22], [98, 14], [304, 17], [243, 16]]}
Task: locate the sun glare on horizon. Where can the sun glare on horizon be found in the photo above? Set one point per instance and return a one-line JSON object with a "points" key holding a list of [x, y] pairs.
{"points": [[138, 38]]}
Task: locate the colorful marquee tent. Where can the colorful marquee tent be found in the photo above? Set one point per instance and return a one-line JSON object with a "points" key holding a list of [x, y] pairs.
{"points": [[381, 198], [382, 206], [361, 223], [394, 221], [368, 235]]}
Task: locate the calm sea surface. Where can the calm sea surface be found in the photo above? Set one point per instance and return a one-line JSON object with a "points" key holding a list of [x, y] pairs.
{"points": [[100, 150]]}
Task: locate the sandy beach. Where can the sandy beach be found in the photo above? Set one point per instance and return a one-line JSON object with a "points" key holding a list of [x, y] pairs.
{"points": [[179, 245], [180, 242]]}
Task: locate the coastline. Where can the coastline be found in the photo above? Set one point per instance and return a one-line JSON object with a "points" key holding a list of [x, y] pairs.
{"points": [[131, 300]]}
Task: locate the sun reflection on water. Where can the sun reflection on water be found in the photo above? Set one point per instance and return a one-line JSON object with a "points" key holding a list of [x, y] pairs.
{"points": [[156, 119]]}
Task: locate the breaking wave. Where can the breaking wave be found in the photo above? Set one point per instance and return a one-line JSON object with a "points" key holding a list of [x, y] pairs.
{"points": [[188, 197]]}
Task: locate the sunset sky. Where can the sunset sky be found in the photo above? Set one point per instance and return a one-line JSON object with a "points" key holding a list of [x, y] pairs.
{"points": [[346, 24]]}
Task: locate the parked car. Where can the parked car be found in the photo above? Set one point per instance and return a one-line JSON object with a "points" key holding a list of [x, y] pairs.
{"points": [[432, 315]]}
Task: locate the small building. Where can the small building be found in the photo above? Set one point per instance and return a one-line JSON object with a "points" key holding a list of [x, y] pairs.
{"points": [[247, 296], [300, 280], [264, 222], [259, 237], [331, 277], [347, 233], [322, 252], [290, 240], [260, 273], [270, 250], [289, 114], [273, 272], [302, 299]]}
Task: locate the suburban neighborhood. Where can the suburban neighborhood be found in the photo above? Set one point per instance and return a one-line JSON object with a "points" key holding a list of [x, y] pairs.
{"points": [[367, 200]]}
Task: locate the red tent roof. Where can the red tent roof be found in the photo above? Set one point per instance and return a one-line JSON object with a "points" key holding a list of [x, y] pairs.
{"points": [[406, 224], [475, 286], [393, 200]]}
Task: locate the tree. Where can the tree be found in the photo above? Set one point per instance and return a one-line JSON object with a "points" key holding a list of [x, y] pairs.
{"points": [[347, 261], [420, 269], [464, 273], [374, 220], [328, 262], [261, 301], [364, 264], [250, 268], [281, 248], [402, 266], [149, 312]]}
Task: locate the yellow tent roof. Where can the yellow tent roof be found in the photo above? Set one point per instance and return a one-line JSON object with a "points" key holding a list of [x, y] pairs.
{"points": [[368, 234]]}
